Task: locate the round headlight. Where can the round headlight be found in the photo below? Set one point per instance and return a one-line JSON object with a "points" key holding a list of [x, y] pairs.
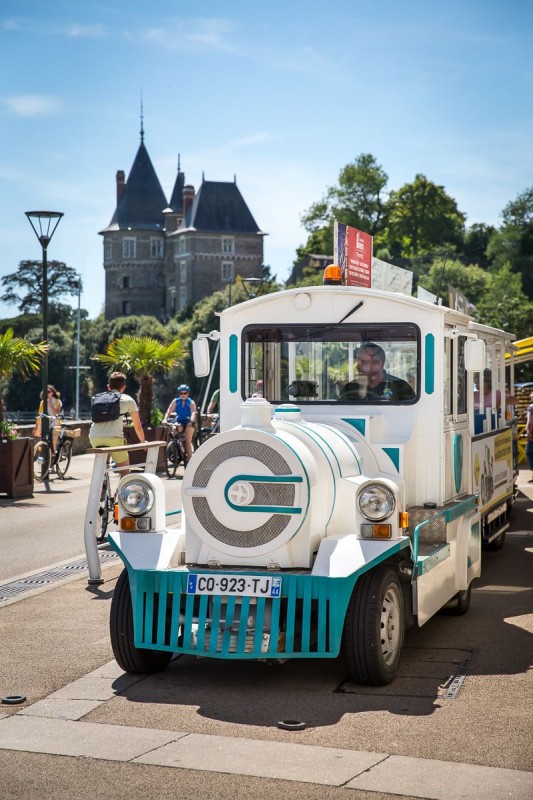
{"points": [[376, 502], [136, 498]]}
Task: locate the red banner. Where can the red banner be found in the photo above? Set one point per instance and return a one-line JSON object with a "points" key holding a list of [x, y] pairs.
{"points": [[353, 253]]}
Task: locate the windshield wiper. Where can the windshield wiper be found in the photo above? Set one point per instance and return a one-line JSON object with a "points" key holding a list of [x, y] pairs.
{"points": [[354, 309]]}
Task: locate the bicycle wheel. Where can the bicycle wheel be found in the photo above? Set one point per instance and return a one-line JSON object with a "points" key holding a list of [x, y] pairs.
{"points": [[41, 461], [102, 517], [172, 458], [64, 454]]}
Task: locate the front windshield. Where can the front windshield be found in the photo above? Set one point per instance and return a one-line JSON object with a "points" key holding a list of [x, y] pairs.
{"points": [[354, 364]]}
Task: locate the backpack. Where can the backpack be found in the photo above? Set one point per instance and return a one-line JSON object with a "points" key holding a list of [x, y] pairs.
{"points": [[105, 406]]}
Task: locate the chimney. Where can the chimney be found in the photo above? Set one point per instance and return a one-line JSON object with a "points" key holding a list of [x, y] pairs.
{"points": [[188, 198], [120, 184]]}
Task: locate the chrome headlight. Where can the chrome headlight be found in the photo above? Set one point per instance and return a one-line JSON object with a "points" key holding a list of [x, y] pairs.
{"points": [[136, 498], [376, 502]]}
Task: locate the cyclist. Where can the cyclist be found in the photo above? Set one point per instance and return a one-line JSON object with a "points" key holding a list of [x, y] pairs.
{"points": [[54, 406], [184, 408], [107, 434]]}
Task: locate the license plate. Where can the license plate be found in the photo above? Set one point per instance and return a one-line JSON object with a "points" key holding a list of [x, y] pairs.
{"points": [[235, 585]]}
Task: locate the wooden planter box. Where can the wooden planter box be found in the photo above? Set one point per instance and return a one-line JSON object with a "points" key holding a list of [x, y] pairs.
{"points": [[157, 434], [16, 467]]}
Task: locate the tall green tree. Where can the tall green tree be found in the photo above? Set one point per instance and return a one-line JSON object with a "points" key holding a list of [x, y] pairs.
{"points": [[513, 243], [24, 288], [359, 199], [146, 358], [18, 356], [422, 217]]}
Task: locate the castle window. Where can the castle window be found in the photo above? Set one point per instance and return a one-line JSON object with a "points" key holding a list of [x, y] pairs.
{"points": [[183, 296], [126, 282], [227, 272], [108, 251], [129, 247], [172, 300], [228, 245], [183, 272], [181, 244], [126, 308], [156, 247]]}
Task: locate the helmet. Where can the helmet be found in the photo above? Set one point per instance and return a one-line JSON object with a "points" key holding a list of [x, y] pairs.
{"points": [[183, 388]]}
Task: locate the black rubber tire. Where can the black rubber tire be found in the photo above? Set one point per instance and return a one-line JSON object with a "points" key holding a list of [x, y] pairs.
{"points": [[202, 436], [102, 517], [63, 462], [130, 658], [374, 628], [496, 543], [41, 461], [172, 458], [460, 604]]}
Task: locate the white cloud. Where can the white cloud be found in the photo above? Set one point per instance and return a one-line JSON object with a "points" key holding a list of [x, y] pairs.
{"points": [[195, 35], [32, 105], [77, 31]]}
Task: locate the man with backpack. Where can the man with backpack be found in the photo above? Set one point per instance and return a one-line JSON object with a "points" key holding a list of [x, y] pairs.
{"points": [[107, 410]]}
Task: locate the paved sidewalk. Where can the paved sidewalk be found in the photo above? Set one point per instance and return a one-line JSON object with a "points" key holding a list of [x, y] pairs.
{"points": [[55, 726]]}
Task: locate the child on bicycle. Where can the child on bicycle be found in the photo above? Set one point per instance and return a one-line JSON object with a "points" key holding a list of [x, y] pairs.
{"points": [[184, 408], [109, 434]]}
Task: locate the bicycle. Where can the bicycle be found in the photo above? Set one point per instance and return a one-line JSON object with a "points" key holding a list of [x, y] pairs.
{"points": [[176, 452], [206, 431], [46, 459], [106, 508]]}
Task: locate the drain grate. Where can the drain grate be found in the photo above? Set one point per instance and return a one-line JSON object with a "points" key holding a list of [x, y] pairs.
{"points": [[51, 577], [436, 673]]}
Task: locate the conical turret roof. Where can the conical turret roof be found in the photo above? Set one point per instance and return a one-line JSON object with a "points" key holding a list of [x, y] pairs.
{"points": [[143, 200]]}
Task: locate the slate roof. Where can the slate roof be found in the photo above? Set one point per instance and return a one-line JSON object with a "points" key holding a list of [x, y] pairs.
{"points": [[219, 206], [143, 200], [176, 201]]}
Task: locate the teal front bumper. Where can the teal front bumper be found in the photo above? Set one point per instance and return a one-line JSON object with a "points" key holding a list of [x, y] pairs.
{"points": [[306, 621]]}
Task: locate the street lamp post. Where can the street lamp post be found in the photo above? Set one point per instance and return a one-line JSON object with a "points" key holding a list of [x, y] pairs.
{"points": [[44, 224]]}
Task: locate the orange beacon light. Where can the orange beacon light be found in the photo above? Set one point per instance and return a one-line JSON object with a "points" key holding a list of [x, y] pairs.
{"points": [[332, 275]]}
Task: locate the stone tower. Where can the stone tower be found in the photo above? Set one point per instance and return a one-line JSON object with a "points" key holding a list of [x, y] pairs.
{"points": [[160, 257]]}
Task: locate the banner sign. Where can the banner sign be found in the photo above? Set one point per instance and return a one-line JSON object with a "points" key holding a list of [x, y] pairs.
{"points": [[352, 251], [492, 466], [391, 278]]}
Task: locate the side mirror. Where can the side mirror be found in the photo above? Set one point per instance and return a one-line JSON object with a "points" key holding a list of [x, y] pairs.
{"points": [[200, 355], [474, 355]]}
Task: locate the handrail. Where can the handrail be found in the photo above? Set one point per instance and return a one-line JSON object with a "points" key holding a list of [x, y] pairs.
{"points": [[451, 512], [95, 492]]}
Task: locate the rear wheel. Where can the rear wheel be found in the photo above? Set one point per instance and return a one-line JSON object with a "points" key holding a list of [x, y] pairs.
{"points": [[63, 459], [374, 628], [128, 657], [41, 461], [460, 603]]}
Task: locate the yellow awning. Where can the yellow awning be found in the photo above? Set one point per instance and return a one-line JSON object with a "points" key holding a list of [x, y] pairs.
{"points": [[523, 350]]}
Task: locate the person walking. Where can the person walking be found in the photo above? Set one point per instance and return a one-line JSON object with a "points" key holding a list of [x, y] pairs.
{"points": [[183, 408], [111, 433]]}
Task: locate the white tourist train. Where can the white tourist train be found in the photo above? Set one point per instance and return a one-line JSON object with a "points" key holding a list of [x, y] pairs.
{"points": [[365, 456]]}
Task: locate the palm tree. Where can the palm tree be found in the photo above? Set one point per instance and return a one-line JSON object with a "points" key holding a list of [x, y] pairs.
{"points": [[18, 356], [145, 357]]}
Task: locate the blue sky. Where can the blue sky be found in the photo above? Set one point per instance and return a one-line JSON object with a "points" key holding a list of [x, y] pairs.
{"points": [[280, 94]]}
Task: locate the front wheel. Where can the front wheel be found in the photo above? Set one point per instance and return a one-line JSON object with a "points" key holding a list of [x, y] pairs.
{"points": [[102, 515], [63, 458], [41, 461], [128, 657], [374, 628], [172, 458]]}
